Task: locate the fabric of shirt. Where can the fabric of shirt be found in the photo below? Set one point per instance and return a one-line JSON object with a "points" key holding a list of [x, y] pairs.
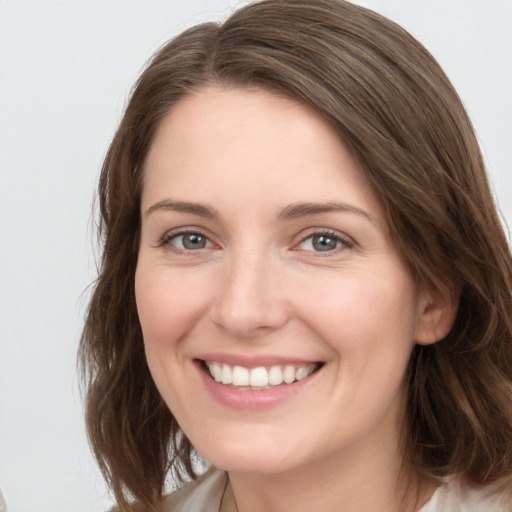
{"points": [[202, 495], [454, 496], [205, 495]]}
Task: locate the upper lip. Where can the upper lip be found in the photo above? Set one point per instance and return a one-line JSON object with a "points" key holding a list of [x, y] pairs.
{"points": [[254, 361]]}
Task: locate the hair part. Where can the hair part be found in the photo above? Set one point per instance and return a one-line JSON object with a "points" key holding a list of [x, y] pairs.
{"points": [[389, 100]]}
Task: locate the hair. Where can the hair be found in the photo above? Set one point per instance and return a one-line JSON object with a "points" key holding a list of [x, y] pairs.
{"points": [[389, 100]]}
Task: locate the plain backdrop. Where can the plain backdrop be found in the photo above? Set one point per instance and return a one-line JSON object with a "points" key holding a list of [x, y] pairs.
{"points": [[66, 69]]}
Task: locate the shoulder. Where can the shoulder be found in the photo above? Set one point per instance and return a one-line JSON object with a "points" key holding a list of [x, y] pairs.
{"points": [[456, 496], [201, 495]]}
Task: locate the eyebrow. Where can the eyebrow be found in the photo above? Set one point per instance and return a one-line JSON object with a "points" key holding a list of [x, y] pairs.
{"points": [[290, 212], [298, 210], [202, 210]]}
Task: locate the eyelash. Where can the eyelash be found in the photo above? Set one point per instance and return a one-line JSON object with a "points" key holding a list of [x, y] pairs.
{"points": [[167, 239], [345, 242]]}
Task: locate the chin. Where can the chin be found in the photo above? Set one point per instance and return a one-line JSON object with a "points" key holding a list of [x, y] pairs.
{"points": [[255, 457]]}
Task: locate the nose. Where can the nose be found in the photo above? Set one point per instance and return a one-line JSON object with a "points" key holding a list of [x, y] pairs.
{"points": [[249, 303]]}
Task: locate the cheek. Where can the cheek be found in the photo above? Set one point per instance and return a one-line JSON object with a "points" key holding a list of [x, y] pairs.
{"points": [[168, 310], [362, 314], [168, 305], [369, 325]]}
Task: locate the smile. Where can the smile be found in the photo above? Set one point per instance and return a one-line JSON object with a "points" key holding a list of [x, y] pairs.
{"points": [[261, 377]]}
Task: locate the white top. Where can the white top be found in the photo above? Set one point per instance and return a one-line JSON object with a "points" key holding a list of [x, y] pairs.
{"points": [[205, 495], [454, 496]]}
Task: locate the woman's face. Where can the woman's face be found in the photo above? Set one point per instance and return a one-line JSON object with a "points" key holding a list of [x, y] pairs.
{"points": [[265, 257]]}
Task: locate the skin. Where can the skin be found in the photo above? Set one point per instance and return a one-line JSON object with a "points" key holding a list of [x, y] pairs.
{"points": [[259, 287]]}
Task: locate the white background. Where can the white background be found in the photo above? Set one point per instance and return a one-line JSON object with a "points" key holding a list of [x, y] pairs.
{"points": [[65, 71]]}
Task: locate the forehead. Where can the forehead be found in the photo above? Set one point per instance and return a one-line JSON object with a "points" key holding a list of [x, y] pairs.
{"points": [[250, 144]]}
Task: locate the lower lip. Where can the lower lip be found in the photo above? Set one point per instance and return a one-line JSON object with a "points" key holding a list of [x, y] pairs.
{"points": [[251, 400]]}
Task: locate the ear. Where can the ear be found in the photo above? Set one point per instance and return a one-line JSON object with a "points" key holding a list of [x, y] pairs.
{"points": [[436, 315]]}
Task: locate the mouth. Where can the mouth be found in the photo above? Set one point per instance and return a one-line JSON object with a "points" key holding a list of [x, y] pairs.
{"points": [[258, 378]]}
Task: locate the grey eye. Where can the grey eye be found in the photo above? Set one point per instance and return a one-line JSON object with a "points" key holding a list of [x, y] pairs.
{"points": [[321, 243], [324, 243], [190, 241]]}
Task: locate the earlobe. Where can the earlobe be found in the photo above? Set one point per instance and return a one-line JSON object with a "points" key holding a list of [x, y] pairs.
{"points": [[437, 313]]}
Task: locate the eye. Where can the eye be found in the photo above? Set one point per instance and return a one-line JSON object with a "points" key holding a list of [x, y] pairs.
{"points": [[190, 241], [323, 242]]}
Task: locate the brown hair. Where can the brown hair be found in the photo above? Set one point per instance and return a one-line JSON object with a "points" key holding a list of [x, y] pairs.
{"points": [[392, 104]]}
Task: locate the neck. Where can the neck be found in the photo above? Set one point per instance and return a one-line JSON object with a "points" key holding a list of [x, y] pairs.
{"points": [[358, 484]]}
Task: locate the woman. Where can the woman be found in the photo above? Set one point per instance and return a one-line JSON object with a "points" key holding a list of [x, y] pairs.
{"points": [[304, 279]]}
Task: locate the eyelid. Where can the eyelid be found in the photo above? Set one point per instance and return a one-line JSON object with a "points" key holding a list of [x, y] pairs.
{"points": [[347, 242], [165, 240]]}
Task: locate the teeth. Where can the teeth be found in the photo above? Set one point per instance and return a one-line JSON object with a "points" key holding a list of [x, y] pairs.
{"points": [[275, 376], [216, 372], [240, 376], [301, 373], [289, 374], [259, 377], [226, 375]]}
